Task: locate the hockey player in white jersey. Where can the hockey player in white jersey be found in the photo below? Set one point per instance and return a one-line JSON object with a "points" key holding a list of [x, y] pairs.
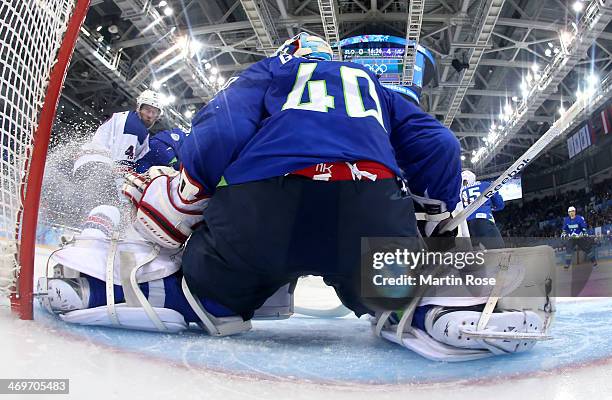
{"points": [[124, 137], [114, 149]]}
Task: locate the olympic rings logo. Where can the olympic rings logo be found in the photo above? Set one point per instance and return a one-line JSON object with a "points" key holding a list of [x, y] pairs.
{"points": [[378, 69]]}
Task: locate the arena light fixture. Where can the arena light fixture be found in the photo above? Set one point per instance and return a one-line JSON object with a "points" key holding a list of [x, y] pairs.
{"points": [[188, 114], [168, 11], [566, 36], [524, 89], [592, 80], [194, 46], [168, 99], [162, 3], [578, 6], [590, 91]]}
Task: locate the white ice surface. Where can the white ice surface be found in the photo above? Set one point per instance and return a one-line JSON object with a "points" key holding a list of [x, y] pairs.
{"points": [[35, 349]]}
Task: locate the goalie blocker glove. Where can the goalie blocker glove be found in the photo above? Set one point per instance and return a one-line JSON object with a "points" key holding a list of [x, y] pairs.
{"points": [[164, 215], [432, 215]]}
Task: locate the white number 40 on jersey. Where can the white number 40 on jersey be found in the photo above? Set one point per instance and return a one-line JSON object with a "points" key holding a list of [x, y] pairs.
{"points": [[320, 101]]}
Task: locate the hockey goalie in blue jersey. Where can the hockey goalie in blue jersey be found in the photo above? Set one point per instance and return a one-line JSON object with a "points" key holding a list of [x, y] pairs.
{"points": [[481, 223], [283, 173], [575, 230], [280, 150]]}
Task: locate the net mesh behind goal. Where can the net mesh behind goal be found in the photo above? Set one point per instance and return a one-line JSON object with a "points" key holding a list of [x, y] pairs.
{"points": [[36, 41]]}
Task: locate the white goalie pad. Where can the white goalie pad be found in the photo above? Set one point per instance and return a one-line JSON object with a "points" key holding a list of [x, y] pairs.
{"points": [[524, 282], [89, 253], [125, 262], [128, 318]]}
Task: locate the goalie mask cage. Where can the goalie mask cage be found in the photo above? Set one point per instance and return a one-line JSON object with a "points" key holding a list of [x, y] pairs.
{"points": [[37, 38]]}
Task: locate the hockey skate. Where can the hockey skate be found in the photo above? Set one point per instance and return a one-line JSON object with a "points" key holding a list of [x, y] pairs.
{"points": [[515, 314], [505, 332], [61, 295]]}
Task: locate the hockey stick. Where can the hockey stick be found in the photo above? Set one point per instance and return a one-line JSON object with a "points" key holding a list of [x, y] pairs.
{"points": [[336, 312], [532, 153]]}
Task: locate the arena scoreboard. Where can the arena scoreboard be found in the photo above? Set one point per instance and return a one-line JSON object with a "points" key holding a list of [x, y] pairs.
{"points": [[384, 56]]}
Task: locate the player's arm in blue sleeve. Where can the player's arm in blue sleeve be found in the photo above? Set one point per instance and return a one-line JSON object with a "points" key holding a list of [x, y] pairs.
{"points": [[157, 155], [497, 201], [222, 128], [583, 225], [565, 227], [427, 152], [144, 164]]}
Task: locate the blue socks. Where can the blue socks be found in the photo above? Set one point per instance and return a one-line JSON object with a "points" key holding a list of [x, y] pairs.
{"points": [[174, 298]]}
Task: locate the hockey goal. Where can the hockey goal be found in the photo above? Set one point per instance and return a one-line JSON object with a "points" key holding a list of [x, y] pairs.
{"points": [[37, 38]]}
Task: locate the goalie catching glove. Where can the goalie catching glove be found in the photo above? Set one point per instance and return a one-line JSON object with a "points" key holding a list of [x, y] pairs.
{"points": [[163, 216]]}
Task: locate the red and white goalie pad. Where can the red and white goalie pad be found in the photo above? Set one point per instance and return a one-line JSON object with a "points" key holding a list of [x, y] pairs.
{"points": [[163, 216]]}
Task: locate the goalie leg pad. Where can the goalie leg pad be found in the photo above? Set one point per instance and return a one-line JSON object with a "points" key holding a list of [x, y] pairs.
{"points": [[129, 318], [215, 326], [524, 281]]}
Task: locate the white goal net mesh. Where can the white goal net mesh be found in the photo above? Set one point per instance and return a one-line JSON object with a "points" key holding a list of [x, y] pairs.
{"points": [[31, 34]]}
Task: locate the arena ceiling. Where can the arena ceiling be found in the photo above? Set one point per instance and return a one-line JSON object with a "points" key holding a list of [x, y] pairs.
{"points": [[533, 55]]}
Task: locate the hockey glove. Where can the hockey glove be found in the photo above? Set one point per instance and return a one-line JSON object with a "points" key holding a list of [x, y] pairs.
{"points": [[162, 216], [135, 184], [432, 216]]}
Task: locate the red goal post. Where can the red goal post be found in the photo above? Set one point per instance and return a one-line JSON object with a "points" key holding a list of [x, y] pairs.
{"points": [[37, 39]]}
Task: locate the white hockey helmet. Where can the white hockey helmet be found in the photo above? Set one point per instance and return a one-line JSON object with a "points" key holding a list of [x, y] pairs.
{"points": [[150, 98], [467, 177], [571, 208], [307, 46]]}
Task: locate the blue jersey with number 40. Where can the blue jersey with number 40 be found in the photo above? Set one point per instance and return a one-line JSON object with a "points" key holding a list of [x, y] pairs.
{"points": [[485, 211], [285, 113]]}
